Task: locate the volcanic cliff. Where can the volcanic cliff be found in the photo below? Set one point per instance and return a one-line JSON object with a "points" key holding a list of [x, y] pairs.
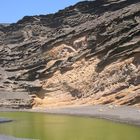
{"points": [[88, 53]]}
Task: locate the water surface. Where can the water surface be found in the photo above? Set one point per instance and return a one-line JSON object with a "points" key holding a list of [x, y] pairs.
{"points": [[55, 127]]}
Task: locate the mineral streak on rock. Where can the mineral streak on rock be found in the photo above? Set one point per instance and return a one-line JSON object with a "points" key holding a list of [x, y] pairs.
{"points": [[88, 53]]}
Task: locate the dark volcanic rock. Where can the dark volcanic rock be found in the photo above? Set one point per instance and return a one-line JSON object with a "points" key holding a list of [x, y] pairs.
{"points": [[93, 47], [3, 137], [2, 120]]}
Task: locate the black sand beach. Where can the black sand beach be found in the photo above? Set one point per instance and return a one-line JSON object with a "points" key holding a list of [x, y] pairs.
{"points": [[122, 114]]}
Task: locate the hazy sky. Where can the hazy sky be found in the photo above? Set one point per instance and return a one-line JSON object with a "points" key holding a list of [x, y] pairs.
{"points": [[13, 10]]}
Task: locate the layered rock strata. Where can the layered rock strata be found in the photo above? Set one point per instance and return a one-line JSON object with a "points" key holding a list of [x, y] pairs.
{"points": [[88, 53]]}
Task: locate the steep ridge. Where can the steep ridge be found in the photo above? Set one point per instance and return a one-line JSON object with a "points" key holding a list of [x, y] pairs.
{"points": [[85, 54]]}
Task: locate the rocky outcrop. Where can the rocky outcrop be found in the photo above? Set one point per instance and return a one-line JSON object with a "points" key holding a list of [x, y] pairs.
{"points": [[3, 120], [85, 54]]}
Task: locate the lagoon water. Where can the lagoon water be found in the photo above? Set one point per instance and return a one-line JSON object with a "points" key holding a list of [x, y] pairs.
{"points": [[42, 126]]}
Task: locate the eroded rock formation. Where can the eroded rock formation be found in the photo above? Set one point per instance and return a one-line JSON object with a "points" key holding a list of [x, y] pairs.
{"points": [[88, 53]]}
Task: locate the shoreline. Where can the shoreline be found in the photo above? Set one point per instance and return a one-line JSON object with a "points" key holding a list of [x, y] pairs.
{"points": [[120, 114]]}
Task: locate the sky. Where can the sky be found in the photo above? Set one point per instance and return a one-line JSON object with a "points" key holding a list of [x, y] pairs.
{"points": [[13, 10]]}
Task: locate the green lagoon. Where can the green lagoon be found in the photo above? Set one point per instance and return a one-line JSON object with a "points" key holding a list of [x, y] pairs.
{"points": [[42, 126]]}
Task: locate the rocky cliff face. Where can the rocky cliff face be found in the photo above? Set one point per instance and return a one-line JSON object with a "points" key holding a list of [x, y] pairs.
{"points": [[88, 53]]}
